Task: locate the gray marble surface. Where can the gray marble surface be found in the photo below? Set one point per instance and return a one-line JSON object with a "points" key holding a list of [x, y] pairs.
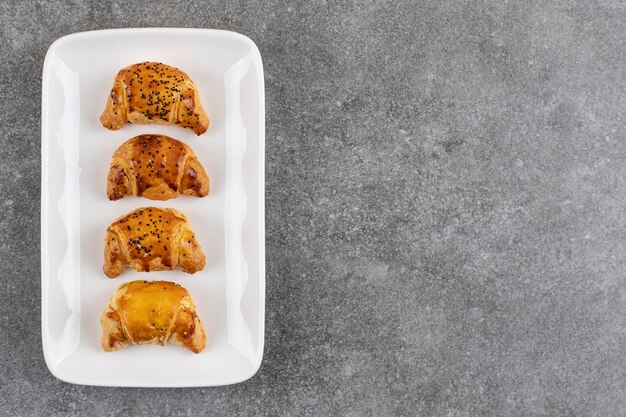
{"points": [[446, 214]]}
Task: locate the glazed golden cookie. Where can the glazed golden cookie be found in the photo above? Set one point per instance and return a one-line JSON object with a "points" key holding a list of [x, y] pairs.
{"points": [[151, 313], [156, 167], [152, 239], [154, 93]]}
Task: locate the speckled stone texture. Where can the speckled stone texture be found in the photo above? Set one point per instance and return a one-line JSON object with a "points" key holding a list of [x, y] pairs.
{"points": [[446, 210]]}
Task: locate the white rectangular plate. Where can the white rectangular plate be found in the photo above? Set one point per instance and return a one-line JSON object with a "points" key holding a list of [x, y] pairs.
{"points": [[230, 292]]}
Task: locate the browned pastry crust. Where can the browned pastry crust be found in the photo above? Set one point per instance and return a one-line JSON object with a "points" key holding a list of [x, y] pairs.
{"points": [[152, 239], [154, 93], [156, 167], [151, 313]]}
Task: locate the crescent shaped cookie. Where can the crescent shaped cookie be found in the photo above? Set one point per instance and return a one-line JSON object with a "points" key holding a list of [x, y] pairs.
{"points": [[156, 167], [154, 93], [151, 313], [152, 239]]}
